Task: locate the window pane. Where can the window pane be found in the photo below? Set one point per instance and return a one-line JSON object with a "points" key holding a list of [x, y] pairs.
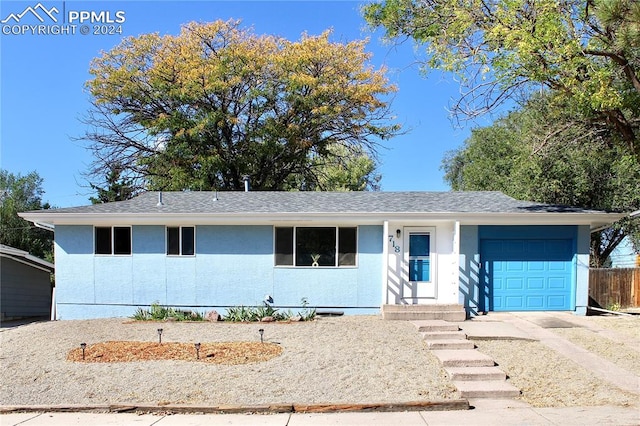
{"points": [[122, 240], [188, 239], [419, 270], [284, 246], [419, 244], [316, 246], [419, 261], [173, 240], [103, 240], [347, 246]]}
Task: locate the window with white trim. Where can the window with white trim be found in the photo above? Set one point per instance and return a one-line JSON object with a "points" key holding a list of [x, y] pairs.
{"points": [[327, 246], [181, 240], [112, 240]]}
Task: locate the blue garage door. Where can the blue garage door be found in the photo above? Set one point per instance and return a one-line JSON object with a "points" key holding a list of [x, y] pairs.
{"points": [[528, 274]]}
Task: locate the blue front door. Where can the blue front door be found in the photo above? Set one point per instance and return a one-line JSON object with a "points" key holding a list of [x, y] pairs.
{"points": [[528, 274]]}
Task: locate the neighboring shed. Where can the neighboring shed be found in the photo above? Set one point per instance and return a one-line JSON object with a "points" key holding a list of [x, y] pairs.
{"points": [[25, 284]]}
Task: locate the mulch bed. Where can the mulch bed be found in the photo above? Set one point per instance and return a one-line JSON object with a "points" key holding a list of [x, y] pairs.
{"points": [[229, 353]]}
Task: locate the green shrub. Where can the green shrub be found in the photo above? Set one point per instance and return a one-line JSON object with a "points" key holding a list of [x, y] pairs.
{"points": [[161, 313], [307, 314], [256, 313]]}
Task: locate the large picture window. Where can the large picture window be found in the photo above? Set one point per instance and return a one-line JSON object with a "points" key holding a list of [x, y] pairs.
{"points": [[181, 240], [112, 240], [315, 246]]}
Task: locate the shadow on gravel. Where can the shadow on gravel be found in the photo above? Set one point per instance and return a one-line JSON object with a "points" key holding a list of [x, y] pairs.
{"points": [[23, 321]]}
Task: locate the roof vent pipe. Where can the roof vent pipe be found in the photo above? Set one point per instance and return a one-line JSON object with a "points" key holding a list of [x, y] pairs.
{"points": [[215, 195], [245, 178], [160, 203]]}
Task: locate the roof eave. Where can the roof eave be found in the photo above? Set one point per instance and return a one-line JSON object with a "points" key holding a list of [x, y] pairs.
{"points": [[50, 219]]}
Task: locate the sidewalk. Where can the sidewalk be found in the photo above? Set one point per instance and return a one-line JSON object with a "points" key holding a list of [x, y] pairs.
{"points": [[487, 412], [504, 412]]}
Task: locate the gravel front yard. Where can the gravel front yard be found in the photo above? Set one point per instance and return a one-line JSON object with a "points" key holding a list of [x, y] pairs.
{"points": [[357, 359]]}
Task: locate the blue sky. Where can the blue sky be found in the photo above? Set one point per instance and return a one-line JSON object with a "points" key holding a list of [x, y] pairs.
{"points": [[43, 99]]}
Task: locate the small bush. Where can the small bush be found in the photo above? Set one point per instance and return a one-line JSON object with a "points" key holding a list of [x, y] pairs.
{"points": [[307, 314], [256, 313], [161, 313]]}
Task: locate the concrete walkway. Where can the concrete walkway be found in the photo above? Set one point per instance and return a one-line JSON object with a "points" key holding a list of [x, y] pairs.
{"points": [[505, 412], [531, 325], [487, 412]]}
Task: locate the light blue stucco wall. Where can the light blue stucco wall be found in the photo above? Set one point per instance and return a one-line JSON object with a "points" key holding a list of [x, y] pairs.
{"points": [[233, 265], [473, 290], [624, 255]]}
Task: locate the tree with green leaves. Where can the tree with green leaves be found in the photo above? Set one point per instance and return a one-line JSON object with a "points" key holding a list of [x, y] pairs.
{"points": [[17, 194], [118, 187], [547, 154], [217, 102], [581, 52]]}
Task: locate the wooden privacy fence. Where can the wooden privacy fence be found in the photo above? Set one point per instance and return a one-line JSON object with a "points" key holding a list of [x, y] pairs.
{"points": [[616, 287]]}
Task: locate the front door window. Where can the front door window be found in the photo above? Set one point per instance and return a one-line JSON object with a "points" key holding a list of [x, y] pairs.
{"points": [[419, 257], [419, 264]]}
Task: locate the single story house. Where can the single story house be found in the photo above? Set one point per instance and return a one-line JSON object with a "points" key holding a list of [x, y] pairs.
{"points": [[25, 284], [356, 252]]}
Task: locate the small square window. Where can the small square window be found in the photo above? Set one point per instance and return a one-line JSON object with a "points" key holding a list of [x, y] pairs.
{"points": [[121, 240], [103, 240], [113, 240], [181, 240]]}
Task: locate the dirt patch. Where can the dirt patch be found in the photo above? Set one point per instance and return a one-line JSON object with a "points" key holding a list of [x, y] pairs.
{"points": [[228, 353]]}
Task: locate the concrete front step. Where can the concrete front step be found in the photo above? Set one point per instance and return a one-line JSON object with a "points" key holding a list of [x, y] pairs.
{"points": [[453, 313], [443, 335], [490, 389], [428, 326], [475, 374], [418, 308], [463, 358], [451, 344], [453, 316]]}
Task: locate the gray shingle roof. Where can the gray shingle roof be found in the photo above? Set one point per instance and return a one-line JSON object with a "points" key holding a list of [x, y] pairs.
{"points": [[258, 202]]}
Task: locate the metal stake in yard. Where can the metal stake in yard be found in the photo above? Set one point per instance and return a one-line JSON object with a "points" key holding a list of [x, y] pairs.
{"points": [[160, 335], [197, 345], [261, 331], [83, 346]]}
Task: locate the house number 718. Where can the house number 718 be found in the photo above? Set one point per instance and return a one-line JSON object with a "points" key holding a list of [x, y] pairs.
{"points": [[396, 248]]}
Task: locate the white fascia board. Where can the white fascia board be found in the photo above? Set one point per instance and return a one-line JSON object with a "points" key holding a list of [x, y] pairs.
{"points": [[592, 219]]}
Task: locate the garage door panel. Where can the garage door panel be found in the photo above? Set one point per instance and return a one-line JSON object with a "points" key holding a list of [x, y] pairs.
{"points": [[528, 274], [535, 283], [513, 266], [536, 266], [513, 303], [557, 266], [535, 302], [534, 246], [560, 248], [557, 283], [515, 246], [515, 284]]}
